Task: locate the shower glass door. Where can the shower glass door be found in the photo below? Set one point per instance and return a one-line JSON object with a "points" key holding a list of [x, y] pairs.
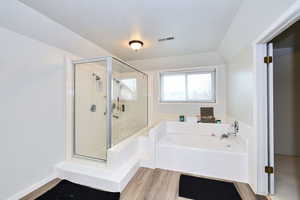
{"points": [[129, 101], [90, 98], [110, 105]]}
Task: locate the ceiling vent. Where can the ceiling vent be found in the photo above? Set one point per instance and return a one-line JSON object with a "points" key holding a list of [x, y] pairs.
{"points": [[165, 39]]}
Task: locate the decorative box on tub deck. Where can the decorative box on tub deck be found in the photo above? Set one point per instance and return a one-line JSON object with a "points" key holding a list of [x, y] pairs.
{"points": [[207, 115]]}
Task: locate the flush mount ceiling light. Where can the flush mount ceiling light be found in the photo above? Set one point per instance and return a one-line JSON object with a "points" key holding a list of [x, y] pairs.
{"points": [[136, 44]]}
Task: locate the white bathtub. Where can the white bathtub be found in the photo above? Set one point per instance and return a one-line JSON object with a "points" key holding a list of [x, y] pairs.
{"points": [[198, 149], [203, 142]]}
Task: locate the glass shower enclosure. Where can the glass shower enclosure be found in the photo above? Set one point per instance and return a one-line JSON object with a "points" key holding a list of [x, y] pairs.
{"points": [[110, 105]]}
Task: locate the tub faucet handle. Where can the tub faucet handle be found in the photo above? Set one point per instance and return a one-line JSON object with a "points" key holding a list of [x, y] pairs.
{"points": [[236, 127], [224, 135]]}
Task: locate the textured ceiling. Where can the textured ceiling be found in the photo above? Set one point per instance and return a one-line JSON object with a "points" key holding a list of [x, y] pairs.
{"points": [[197, 25]]}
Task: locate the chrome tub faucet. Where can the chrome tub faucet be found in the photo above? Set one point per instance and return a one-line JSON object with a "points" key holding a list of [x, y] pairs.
{"points": [[235, 127]]}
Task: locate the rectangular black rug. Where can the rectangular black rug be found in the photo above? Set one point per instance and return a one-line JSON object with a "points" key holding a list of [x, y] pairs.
{"points": [[66, 190], [206, 189]]}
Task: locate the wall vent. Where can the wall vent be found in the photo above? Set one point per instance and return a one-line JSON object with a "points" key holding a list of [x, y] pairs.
{"points": [[165, 39]]}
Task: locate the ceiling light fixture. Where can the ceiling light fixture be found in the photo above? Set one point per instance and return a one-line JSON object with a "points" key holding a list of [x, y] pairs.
{"points": [[136, 44]]}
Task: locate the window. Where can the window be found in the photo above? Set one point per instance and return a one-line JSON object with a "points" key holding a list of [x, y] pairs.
{"points": [[195, 86], [128, 89]]}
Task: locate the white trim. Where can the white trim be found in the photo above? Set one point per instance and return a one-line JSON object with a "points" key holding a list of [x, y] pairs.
{"points": [[282, 23], [260, 101], [69, 108], [212, 72], [260, 116], [109, 99], [271, 120], [32, 188]]}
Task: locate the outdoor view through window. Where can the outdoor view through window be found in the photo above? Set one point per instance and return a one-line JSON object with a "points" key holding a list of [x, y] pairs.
{"points": [[188, 86]]}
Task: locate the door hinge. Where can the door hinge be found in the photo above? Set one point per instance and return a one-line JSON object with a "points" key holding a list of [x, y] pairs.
{"points": [[268, 59], [269, 170]]}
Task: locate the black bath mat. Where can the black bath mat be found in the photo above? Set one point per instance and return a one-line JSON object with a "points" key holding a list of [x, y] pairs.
{"points": [[206, 189], [67, 190]]}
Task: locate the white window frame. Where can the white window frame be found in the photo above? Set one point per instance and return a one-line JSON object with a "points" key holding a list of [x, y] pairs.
{"points": [[186, 73]]}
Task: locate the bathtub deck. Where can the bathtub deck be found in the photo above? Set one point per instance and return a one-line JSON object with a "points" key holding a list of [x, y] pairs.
{"points": [[149, 184]]}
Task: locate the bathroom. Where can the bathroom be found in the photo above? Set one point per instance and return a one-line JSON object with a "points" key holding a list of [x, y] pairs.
{"points": [[137, 105]]}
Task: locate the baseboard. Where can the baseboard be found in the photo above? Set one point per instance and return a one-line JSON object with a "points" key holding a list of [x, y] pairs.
{"points": [[32, 188]]}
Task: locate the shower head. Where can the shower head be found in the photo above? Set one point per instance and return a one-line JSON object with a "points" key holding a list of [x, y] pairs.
{"points": [[116, 80], [96, 76]]}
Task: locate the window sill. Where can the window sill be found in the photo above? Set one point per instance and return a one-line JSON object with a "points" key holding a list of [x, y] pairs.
{"points": [[188, 102]]}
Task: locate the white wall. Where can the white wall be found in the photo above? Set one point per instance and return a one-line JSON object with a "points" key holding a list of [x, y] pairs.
{"points": [[240, 87], [32, 111], [237, 50], [170, 111], [172, 62], [32, 102], [286, 99], [251, 20]]}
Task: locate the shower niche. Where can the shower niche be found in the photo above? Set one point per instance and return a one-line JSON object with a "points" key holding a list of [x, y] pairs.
{"points": [[110, 105]]}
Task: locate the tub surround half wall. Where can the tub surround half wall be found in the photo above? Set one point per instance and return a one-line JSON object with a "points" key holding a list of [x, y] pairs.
{"points": [[151, 148], [247, 132], [197, 149], [123, 161]]}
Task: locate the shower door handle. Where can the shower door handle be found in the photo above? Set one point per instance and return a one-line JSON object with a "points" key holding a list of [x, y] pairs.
{"points": [[115, 116]]}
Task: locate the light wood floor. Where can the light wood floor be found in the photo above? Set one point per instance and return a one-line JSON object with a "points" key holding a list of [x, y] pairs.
{"points": [[149, 184], [287, 178]]}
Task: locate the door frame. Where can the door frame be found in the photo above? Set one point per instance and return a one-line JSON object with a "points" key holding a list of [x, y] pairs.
{"points": [[261, 99]]}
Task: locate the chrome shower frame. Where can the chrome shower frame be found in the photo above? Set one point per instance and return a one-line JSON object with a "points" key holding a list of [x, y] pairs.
{"points": [[109, 68]]}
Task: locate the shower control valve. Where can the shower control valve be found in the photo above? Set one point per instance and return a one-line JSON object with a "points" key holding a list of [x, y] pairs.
{"points": [[93, 108]]}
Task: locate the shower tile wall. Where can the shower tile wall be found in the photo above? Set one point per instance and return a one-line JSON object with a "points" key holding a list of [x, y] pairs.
{"points": [[132, 94]]}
